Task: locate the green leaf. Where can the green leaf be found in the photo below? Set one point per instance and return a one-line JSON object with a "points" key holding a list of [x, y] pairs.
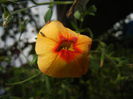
{"points": [[34, 60], [77, 15], [22, 26], [91, 10], [48, 15], [102, 59]]}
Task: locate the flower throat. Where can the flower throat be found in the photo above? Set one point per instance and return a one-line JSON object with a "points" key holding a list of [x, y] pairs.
{"points": [[66, 45]]}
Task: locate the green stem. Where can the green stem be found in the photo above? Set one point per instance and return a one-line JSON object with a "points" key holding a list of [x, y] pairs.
{"points": [[56, 2], [28, 79], [47, 84], [43, 3]]}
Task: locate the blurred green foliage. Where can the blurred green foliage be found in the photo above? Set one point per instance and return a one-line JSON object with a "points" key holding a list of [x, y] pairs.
{"points": [[110, 74]]}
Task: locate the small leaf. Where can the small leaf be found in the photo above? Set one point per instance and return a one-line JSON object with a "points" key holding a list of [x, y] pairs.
{"points": [[34, 60], [22, 26], [102, 59], [48, 15], [77, 15], [91, 10]]}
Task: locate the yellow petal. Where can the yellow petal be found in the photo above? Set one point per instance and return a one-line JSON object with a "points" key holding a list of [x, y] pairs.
{"points": [[75, 68], [71, 33], [44, 45], [45, 61], [84, 39], [53, 30], [84, 47], [84, 43]]}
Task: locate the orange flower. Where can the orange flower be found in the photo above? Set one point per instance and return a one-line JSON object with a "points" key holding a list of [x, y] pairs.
{"points": [[62, 52]]}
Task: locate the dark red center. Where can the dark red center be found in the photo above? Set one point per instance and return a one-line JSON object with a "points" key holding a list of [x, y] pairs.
{"points": [[66, 48]]}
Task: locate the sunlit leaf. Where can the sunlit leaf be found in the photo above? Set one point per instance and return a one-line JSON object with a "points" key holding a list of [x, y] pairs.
{"points": [[48, 15], [78, 15]]}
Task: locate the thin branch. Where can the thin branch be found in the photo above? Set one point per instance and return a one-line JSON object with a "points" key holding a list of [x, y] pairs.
{"points": [[28, 79], [43, 3]]}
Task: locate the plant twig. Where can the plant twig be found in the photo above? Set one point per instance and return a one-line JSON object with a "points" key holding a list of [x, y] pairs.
{"points": [[43, 3], [28, 79]]}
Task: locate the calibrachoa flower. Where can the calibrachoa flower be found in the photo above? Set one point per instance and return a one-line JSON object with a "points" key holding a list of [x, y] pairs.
{"points": [[61, 51]]}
